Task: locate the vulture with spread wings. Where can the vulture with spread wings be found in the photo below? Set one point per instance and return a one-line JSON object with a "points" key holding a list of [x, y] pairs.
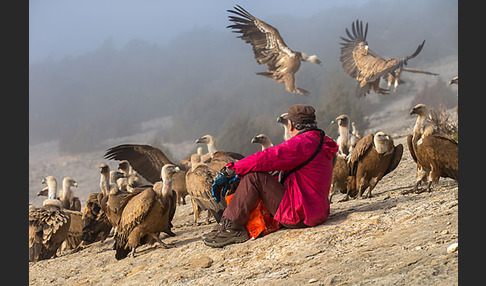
{"points": [[270, 49], [363, 64]]}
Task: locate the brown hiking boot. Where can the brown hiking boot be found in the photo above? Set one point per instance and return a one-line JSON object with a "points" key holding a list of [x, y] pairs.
{"points": [[229, 233], [217, 229]]}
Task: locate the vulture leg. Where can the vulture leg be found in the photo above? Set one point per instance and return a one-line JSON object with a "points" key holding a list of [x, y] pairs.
{"points": [[166, 246], [132, 253], [373, 183], [361, 189]]}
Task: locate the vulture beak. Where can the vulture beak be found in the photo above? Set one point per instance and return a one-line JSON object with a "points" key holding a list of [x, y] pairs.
{"points": [[366, 49], [255, 140], [43, 181], [413, 111], [177, 169], [75, 184], [201, 140]]}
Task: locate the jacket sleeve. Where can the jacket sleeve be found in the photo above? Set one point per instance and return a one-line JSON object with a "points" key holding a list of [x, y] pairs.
{"points": [[282, 157]]}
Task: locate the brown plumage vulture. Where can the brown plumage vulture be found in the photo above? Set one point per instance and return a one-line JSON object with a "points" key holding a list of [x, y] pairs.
{"points": [[70, 205], [363, 64], [146, 215], [96, 226], [115, 198], [374, 156], [340, 175], [270, 49], [436, 155], [198, 182], [148, 161], [48, 225]]}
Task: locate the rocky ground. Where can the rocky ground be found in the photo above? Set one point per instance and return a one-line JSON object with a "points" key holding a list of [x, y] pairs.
{"points": [[390, 239]]}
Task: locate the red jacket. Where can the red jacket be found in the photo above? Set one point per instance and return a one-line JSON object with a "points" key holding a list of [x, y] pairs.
{"points": [[307, 189]]}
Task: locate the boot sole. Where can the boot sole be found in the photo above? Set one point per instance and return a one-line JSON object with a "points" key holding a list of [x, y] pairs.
{"points": [[212, 243]]}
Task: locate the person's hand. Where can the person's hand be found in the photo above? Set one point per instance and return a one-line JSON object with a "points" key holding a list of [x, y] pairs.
{"points": [[222, 182], [219, 183]]}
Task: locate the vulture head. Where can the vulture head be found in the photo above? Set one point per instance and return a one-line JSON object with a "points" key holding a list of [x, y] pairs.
{"points": [[105, 169], [342, 120], [285, 124], [124, 167], [421, 110], [210, 141], [263, 140], [168, 170], [383, 143], [311, 59], [455, 80], [68, 181]]}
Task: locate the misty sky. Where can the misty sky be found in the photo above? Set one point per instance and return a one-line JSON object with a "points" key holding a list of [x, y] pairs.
{"points": [[59, 28]]}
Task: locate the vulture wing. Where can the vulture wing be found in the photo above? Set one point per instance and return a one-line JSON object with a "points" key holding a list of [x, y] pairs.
{"points": [[134, 213], [367, 66], [441, 152], [268, 45], [410, 148], [361, 148], [198, 183], [145, 159], [396, 157]]}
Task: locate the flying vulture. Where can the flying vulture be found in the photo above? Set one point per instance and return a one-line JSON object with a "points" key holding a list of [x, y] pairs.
{"points": [[374, 156], [436, 155], [48, 225], [270, 49], [146, 215], [363, 64], [148, 161]]}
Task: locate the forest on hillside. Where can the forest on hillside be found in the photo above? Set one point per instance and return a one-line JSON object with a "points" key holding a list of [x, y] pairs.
{"points": [[205, 79]]}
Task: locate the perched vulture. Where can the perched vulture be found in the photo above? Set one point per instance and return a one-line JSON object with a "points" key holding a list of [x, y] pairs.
{"points": [[340, 175], [65, 195], [115, 198], [198, 182], [210, 142], [285, 124], [270, 49], [346, 140], [96, 226], [71, 206], [393, 78], [133, 179], [373, 157], [147, 214], [436, 155], [263, 140], [48, 225], [148, 162], [354, 130], [364, 65]]}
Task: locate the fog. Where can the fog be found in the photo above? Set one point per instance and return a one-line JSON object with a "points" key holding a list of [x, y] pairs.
{"points": [[100, 69]]}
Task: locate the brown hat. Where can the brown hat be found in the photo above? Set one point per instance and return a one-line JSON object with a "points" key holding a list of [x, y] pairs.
{"points": [[301, 113]]}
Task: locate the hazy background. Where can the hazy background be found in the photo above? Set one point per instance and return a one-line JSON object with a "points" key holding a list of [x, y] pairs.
{"points": [[102, 71]]}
